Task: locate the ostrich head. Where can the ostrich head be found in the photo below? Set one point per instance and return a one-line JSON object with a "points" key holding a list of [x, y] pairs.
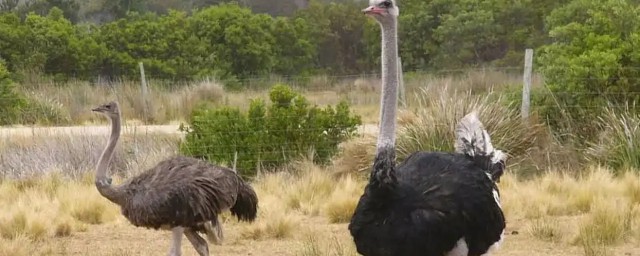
{"points": [[110, 109], [384, 11]]}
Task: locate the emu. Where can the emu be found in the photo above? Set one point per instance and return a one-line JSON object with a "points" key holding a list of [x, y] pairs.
{"points": [[182, 194], [432, 203]]}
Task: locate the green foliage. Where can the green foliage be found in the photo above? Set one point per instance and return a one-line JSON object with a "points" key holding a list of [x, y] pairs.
{"points": [[593, 58], [234, 43], [269, 136], [240, 42], [11, 102], [337, 29]]}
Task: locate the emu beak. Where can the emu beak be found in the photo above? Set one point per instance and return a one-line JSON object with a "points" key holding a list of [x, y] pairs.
{"points": [[373, 10]]}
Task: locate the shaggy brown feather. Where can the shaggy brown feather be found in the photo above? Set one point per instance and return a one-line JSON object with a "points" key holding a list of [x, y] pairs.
{"points": [[184, 191]]}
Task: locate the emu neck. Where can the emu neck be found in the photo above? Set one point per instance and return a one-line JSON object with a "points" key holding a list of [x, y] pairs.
{"points": [[389, 97], [103, 181]]}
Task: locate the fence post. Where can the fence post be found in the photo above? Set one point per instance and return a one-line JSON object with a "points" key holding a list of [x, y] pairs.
{"points": [[526, 85], [145, 91], [401, 92]]}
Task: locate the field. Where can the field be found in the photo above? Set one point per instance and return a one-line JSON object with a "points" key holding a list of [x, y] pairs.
{"points": [[550, 215], [52, 207]]}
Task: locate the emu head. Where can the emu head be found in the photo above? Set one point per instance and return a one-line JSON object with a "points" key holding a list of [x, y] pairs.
{"points": [[384, 11], [110, 110]]}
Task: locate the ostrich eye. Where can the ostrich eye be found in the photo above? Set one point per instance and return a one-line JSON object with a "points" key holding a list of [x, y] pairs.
{"points": [[386, 4], [108, 106]]}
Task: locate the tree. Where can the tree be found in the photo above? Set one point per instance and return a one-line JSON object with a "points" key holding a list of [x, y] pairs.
{"points": [[593, 56], [240, 42], [294, 50]]}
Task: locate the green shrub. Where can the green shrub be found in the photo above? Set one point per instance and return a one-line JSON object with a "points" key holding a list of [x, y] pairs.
{"points": [[591, 60], [268, 136], [11, 101]]}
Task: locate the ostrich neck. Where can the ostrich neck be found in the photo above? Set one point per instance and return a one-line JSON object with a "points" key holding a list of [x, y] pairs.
{"points": [[103, 181], [389, 97]]}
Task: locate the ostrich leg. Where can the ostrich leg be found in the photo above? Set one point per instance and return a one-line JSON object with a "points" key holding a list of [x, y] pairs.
{"points": [[176, 242], [197, 241], [214, 231]]}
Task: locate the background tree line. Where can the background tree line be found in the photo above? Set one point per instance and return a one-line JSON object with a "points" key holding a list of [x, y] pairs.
{"points": [[585, 49], [189, 39]]}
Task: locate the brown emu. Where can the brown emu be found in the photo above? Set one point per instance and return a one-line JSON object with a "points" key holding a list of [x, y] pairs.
{"points": [[433, 203], [182, 194]]}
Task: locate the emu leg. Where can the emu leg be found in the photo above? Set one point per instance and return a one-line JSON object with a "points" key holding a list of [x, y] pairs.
{"points": [[197, 241], [176, 241]]}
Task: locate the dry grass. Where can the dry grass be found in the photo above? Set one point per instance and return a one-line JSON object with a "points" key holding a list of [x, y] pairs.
{"points": [[438, 110], [54, 209], [170, 102], [298, 209], [49, 207], [25, 156], [546, 229]]}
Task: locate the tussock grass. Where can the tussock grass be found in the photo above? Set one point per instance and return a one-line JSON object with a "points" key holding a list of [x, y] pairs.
{"points": [[342, 202], [315, 245], [557, 194], [608, 223], [167, 102], [170, 101], [356, 155], [438, 110], [272, 224], [15, 246], [310, 190], [24, 157], [617, 146], [546, 229], [49, 207]]}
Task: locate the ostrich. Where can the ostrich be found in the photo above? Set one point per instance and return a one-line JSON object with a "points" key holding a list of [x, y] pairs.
{"points": [[182, 194], [433, 203]]}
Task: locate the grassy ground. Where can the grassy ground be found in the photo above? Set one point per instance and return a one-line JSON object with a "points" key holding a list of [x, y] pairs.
{"points": [[592, 214], [52, 207]]}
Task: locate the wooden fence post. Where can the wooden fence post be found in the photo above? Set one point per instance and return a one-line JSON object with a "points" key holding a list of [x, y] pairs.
{"points": [[145, 93], [526, 85]]}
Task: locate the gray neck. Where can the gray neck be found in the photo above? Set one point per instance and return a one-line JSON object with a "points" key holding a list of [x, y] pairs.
{"points": [[389, 97], [103, 181]]}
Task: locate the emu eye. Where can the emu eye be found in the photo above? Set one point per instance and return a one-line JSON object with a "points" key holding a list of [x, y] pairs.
{"points": [[386, 4]]}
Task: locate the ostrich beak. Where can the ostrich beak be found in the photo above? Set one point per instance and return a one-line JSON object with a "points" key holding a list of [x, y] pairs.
{"points": [[98, 109], [373, 10]]}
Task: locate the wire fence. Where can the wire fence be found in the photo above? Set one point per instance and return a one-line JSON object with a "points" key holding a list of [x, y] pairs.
{"points": [[166, 101]]}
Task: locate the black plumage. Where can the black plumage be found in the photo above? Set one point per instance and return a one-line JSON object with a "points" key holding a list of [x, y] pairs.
{"points": [[433, 203], [438, 198]]}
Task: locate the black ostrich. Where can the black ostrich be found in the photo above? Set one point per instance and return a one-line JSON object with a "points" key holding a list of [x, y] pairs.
{"points": [[433, 203]]}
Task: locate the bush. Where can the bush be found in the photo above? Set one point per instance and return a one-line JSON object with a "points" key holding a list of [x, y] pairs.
{"points": [[268, 136], [11, 102], [592, 59]]}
